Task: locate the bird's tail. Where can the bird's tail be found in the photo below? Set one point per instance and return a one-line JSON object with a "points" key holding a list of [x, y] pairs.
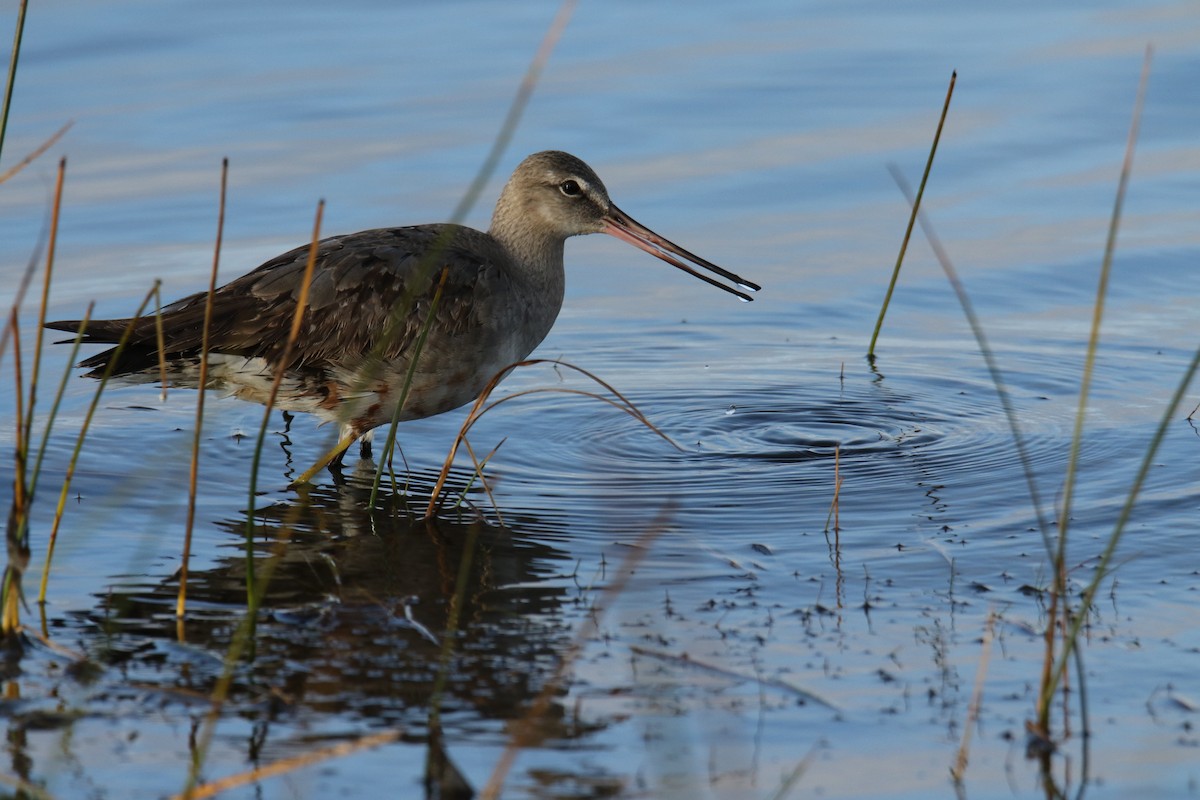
{"points": [[140, 350]]}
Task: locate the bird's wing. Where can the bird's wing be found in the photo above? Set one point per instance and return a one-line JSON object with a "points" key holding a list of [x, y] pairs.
{"points": [[370, 295]]}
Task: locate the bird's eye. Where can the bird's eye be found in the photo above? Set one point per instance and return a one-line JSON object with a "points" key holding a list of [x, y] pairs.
{"points": [[570, 188]]}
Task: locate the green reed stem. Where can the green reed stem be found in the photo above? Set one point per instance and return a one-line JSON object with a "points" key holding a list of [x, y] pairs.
{"points": [[83, 431], [12, 70], [916, 206], [418, 347], [281, 368], [430, 261], [194, 472], [58, 396], [1069, 481], [989, 358], [39, 337]]}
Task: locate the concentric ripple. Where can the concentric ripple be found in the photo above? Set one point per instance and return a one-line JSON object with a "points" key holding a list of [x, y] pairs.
{"points": [[918, 426]]}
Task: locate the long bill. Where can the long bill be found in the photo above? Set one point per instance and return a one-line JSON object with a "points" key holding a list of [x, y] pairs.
{"points": [[619, 224]]}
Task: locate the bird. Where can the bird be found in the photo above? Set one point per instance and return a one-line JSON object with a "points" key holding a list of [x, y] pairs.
{"points": [[370, 298]]}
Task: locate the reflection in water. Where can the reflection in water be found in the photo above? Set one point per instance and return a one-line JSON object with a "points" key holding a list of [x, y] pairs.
{"points": [[354, 615]]}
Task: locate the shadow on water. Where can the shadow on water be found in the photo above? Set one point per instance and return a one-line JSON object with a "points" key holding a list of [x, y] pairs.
{"points": [[352, 621]]}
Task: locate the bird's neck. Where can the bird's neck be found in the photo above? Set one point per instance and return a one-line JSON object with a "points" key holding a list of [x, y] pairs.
{"points": [[536, 260]]}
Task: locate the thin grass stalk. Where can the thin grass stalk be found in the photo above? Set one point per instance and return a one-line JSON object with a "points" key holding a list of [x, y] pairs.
{"points": [[432, 258], [512, 118], [523, 728], [418, 348], [516, 109], [12, 70], [17, 530], [887, 298], [23, 287], [280, 369], [35, 153], [479, 466], [989, 358], [290, 764], [837, 490], [1069, 481], [1085, 724], [1102, 568], [39, 336], [474, 416], [959, 770], [161, 342], [194, 472], [242, 636], [453, 614], [796, 774], [24, 788], [479, 409], [83, 431], [58, 396]]}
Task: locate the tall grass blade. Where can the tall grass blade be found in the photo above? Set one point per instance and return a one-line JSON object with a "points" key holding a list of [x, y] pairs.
{"points": [[58, 396], [887, 298], [40, 336], [418, 347], [194, 472], [13, 59], [17, 530], [989, 358], [519, 103], [1051, 682], [470, 197], [83, 431], [37, 151], [26, 278], [481, 407], [523, 729], [280, 370]]}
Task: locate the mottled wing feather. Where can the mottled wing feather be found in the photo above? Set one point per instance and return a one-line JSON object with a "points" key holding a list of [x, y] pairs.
{"points": [[370, 295]]}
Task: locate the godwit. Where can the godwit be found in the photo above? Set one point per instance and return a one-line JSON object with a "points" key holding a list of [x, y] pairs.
{"points": [[502, 293]]}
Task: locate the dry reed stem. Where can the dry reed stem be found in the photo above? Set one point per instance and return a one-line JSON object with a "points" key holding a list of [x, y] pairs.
{"points": [[519, 103], [58, 395], [39, 337], [194, 472], [797, 773], [280, 369], [19, 298], [24, 788], [887, 298], [286, 765], [479, 409], [522, 729], [17, 530], [479, 465], [688, 662], [834, 505], [429, 260], [35, 153], [960, 762]]}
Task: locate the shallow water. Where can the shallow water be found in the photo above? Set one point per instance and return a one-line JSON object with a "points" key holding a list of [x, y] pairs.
{"points": [[746, 636]]}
